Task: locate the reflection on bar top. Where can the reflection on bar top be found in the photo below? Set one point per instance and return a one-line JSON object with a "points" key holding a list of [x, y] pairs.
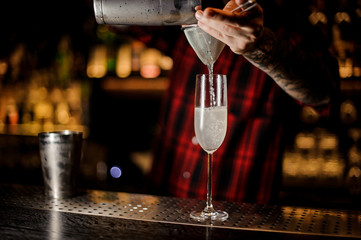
{"points": [[142, 207]]}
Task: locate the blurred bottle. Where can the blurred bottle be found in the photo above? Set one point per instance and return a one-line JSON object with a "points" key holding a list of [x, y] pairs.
{"points": [[353, 174], [64, 61], [346, 37], [319, 17], [357, 26], [348, 112]]}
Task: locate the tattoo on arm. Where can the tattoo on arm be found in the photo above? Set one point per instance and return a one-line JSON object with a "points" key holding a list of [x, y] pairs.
{"points": [[280, 62]]}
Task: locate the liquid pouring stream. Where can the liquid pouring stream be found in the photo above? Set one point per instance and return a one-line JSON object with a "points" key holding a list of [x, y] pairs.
{"points": [[207, 47]]}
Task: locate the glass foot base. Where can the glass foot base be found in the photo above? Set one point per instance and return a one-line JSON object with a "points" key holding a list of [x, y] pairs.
{"points": [[214, 216]]}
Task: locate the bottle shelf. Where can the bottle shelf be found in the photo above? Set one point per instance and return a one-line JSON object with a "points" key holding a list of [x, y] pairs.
{"points": [[136, 86]]}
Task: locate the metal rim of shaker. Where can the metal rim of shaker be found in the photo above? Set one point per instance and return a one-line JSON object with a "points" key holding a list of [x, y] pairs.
{"points": [[63, 132], [189, 26]]}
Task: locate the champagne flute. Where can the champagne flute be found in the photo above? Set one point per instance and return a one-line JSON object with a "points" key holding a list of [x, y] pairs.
{"points": [[210, 123]]}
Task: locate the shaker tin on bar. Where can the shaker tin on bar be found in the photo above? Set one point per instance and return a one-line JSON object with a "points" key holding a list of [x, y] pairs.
{"points": [[60, 154]]}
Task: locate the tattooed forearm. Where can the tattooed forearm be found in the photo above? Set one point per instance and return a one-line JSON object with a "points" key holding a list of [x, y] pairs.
{"points": [[285, 66]]}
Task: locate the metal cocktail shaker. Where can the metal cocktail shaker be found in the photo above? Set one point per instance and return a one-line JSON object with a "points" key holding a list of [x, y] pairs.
{"points": [[60, 154], [145, 12]]}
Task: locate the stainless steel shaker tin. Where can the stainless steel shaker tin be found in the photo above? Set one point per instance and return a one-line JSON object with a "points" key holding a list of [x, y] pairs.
{"points": [[145, 12], [60, 154]]}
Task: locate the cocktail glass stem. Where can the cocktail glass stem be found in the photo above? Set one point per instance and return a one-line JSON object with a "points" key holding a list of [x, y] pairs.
{"points": [[209, 207], [209, 213]]}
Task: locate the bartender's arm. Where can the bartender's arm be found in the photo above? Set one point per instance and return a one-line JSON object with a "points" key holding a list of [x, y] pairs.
{"points": [[306, 76]]}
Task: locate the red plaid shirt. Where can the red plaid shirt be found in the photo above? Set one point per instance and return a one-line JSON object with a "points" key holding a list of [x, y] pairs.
{"points": [[247, 166]]}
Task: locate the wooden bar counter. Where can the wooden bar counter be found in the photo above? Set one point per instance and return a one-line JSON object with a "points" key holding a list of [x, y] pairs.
{"points": [[25, 213]]}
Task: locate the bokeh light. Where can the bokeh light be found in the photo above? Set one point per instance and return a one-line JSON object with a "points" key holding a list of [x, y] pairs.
{"points": [[115, 172]]}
